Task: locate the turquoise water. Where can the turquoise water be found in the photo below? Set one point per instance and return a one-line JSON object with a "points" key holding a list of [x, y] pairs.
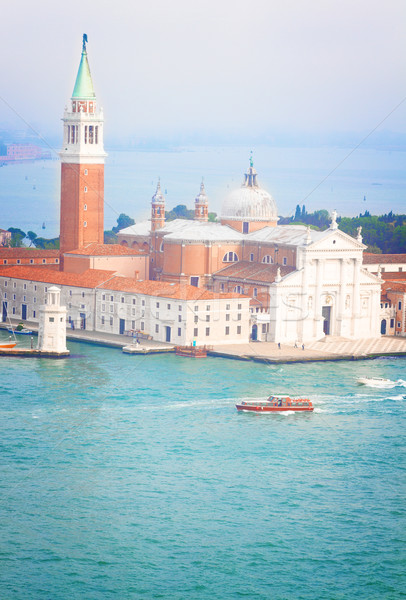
{"points": [[29, 193], [135, 477]]}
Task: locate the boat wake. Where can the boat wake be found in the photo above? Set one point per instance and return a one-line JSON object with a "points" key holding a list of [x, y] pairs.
{"points": [[382, 384]]}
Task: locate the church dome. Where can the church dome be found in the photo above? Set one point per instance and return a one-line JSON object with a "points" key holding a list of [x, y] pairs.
{"points": [[250, 202]]}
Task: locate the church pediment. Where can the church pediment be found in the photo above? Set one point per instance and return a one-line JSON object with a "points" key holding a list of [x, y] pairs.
{"points": [[334, 239]]}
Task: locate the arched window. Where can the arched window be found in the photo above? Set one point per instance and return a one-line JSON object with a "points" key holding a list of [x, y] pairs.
{"points": [[230, 257], [238, 289], [267, 259], [161, 247], [134, 245], [124, 243]]}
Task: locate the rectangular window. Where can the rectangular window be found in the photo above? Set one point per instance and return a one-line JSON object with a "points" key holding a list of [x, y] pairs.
{"points": [[239, 317], [208, 318], [251, 257], [5, 284], [227, 331], [18, 261], [157, 304], [285, 260], [179, 331], [156, 328], [194, 281], [96, 134], [4, 262], [196, 308], [111, 298], [24, 299], [35, 300], [103, 296], [180, 318], [134, 301], [133, 312], [207, 331], [208, 307], [222, 287], [111, 308], [132, 324], [168, 306], [398, 322], [122, 300], [227, 307], [239, 307], [157, 315], [195, 332], [14, 311], [143, 303], [103, 307], [180, 307], [111, 321], [14, 296], [392, 323], [91, 134], [245, 227], [142, 326], [196, 318], [102, 320], [238, 329], [31, 261], [33, 314], [51, 319], [227, 316], [399, 306]]}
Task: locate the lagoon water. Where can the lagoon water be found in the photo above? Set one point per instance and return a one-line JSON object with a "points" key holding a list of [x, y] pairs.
{"points": [[135, 478], [368, 179]]}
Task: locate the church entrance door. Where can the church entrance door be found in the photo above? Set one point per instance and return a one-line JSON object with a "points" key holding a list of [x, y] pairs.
{"points": [[122, 326], [254, 333], [167, 333], [326, 314]]}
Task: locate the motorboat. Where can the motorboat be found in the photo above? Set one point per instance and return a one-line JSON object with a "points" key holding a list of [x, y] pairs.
{"points": [[8, 345], [22, 331], [192, 351], [276, 404], [374, 381]]}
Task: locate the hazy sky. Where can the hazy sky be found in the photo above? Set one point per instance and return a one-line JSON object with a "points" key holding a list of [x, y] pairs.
{"points": [[224, 68]]}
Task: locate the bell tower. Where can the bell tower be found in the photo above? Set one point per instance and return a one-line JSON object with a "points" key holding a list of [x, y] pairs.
{"points": [[82, 165], [202, 205], [157, 209]]}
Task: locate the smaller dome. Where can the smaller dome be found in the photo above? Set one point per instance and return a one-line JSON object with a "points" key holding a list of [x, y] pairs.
{"points": [[250, 202], [202, 198], [158, 197]]}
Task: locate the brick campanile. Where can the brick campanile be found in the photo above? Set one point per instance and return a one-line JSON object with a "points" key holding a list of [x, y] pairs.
{"points": [[202, 205], [82, 165], [157, 209]]}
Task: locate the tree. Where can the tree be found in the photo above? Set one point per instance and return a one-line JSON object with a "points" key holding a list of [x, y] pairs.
{"points": [[123, 221], [110, 237], [32, 237], [298, 213], [17, 236]]}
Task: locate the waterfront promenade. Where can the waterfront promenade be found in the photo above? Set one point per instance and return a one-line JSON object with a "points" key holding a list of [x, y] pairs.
{"points": [[331, 349]]}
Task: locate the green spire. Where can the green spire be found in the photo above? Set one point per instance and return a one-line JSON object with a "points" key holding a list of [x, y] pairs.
{"points": [[84, 85]]}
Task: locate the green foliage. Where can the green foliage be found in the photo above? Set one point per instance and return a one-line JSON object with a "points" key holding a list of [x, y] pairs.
{"points": [[110, 237], [212, 216], [123, 221], [180, 212], [46, 244], [17, 236], [32, 237]]}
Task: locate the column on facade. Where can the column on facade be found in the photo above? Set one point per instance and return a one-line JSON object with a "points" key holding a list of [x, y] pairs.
{"points": [[305, 302], [317, 300], [341, 298]]}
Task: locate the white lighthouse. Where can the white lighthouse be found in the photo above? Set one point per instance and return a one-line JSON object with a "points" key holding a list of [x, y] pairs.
{"points": [[52, 324]]}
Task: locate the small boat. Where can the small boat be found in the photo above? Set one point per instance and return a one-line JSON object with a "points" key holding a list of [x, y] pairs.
{"points": [[8, 345], [191, 351], [276, 404], [23, 331], [374, 381]]}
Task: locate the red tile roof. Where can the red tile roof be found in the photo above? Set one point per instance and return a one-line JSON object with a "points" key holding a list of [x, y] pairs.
{"points": [[394, 286], [263, 272], [28, 253], [397, 275], [380, 259], [105, 250], [164, 289], [89, 279], [108, 280]]}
